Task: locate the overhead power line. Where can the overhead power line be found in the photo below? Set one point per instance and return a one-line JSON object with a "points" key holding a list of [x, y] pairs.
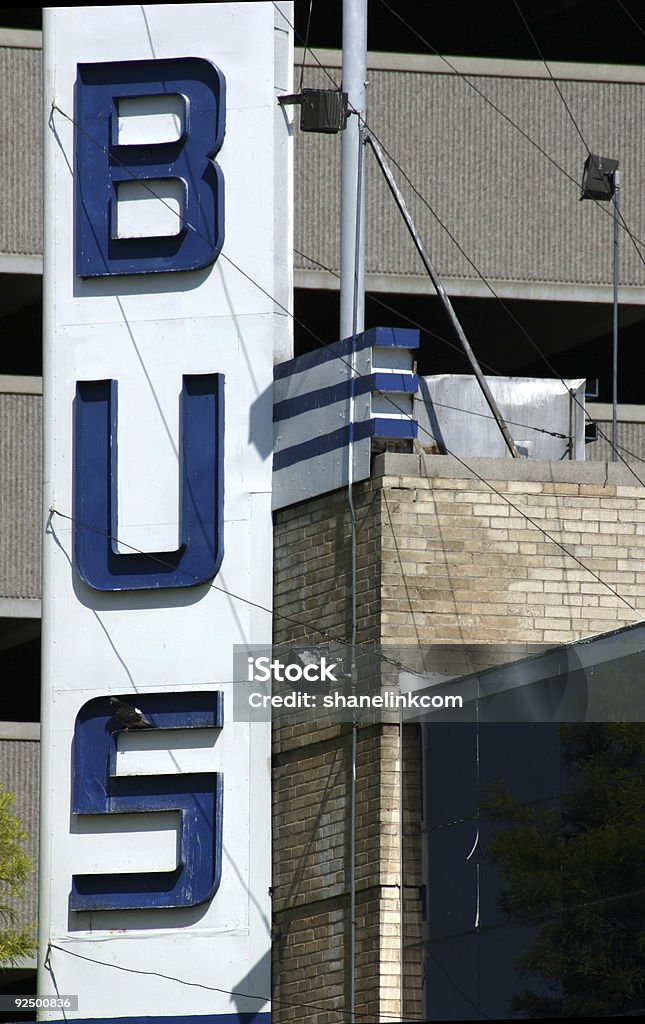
{"points": [[468, 81], [448, 452]]}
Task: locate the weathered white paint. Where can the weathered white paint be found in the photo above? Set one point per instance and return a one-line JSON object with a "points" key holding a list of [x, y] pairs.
{"points": [[146, 331]]}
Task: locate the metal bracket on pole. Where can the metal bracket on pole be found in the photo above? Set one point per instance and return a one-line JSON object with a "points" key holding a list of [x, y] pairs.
{"points": [[434, 277]]}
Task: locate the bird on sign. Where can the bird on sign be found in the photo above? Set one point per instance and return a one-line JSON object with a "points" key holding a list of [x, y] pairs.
{"points": [[129, 717]]}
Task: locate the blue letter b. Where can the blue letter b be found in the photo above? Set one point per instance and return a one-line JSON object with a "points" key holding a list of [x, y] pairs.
{"points": [[107, 159]]}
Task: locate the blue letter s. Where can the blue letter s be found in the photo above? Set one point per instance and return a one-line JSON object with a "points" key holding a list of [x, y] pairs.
{"points": [[97, 789]]}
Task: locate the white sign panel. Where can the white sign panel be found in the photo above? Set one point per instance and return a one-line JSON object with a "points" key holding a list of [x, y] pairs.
{"points": [[167, 286]]}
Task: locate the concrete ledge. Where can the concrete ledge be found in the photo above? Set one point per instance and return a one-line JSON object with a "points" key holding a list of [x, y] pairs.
{"points": [[19, 731], [21, 263], [21, 38], [474, 287], [603, 411], [446, 466], [12, 384], [495, 67], [20, 608]]}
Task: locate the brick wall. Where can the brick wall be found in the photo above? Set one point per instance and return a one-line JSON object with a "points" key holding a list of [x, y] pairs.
{"points": [[462, 563], [312, 768], [456, 574]]}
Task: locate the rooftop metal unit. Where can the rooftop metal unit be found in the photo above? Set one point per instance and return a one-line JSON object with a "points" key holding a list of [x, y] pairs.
{"points": [[546, 417]]}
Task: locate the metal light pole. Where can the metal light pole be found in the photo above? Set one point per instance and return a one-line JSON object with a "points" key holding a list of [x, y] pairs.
{"points": [[601, 181], [352, 262], [614, 454], [352, 322]]}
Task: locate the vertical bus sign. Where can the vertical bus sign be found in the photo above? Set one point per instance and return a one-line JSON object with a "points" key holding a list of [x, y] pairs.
{"points": [[167, 237]]}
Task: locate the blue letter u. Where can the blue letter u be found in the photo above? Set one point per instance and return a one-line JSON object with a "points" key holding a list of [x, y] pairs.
{"points": [[201, 470]]}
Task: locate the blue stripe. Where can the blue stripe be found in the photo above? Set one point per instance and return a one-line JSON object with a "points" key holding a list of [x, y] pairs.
{"points": [[384, 427], [376, 337], [379, 427], [400, 383]]}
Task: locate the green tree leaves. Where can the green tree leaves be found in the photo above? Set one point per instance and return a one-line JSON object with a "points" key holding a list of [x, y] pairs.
{"points": [[576, 868], [16, 940]]}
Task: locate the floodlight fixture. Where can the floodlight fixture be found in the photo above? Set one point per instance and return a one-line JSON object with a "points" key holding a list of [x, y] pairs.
{"points": [[599, 178], [321, 110]]}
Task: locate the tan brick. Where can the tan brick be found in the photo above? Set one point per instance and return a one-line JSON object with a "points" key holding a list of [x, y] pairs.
{"points": [[617, 528], [560, 488], [524, 487], [534, 586], [560, 636], [602, 490], [584, 502]]}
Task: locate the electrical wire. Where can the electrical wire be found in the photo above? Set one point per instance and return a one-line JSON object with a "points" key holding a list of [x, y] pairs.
{"points": [[631, 17], [431, 210], [456, 71], [325, 634], [443, 970], [373, 297], [321, 66], [352, 1013], [336, 639], [632, 455], [573, 120], [343, 1014], [636, 241], [304, 59], [288, 312], [537, 526], [617, 212], [314, 1006], [444, 226], [459, 247], [504, 306], [255, 604], [477, 1008], [548, 69], [435, 440], [488, 416]]}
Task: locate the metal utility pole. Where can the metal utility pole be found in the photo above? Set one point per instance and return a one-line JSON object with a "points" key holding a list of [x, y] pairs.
{"points": [[614, 398], [601, 182], [352, 261], [352, 322]]}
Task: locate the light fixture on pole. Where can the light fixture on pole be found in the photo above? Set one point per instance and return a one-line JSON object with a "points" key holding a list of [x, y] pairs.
{"points": [[601, 181]]}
